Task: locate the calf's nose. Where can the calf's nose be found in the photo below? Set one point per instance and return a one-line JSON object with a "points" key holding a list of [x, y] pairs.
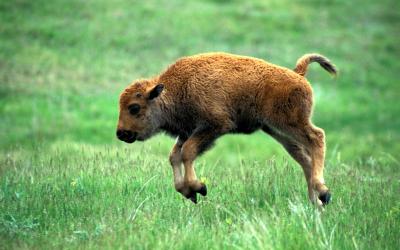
{"points": [[123, 134]]}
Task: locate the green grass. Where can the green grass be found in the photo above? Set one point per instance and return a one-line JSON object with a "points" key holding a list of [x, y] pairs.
{"points": [[66, 182]]}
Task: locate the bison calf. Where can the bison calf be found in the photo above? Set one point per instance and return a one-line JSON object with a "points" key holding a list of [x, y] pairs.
{"points": [[200, 98]]}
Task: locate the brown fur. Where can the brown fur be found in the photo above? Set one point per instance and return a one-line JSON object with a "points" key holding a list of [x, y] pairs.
{"points": [[208, 95]]}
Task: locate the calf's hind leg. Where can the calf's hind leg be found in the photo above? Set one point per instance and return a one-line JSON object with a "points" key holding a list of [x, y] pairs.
{"points": [[289, 120], [316, 139], [312, 140], [296, 150]]}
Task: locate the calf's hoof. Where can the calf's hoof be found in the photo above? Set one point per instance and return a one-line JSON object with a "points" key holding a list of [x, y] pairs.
{"points": [[192, 196], [193, 189], [325, 197], [190, 190], [203, 189]]}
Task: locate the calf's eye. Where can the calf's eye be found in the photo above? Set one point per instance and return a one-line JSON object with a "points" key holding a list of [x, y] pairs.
{"points": [[134, 109]]}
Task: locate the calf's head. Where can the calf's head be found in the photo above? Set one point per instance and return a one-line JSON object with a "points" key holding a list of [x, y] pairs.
{"points": [[138, 111]]}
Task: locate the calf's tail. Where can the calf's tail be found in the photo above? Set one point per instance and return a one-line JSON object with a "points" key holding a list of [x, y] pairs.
{"points": [[304, 61]]}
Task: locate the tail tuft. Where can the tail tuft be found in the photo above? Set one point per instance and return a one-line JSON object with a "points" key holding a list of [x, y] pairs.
{"points": [[304, 61]]}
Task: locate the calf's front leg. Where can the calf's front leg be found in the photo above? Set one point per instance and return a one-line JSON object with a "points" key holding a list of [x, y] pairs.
{"points": [[188, 186], [194, 146], [175, 159]]}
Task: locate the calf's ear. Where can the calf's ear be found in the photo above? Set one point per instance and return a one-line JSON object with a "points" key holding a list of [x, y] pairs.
{"points": [[156, 91]]}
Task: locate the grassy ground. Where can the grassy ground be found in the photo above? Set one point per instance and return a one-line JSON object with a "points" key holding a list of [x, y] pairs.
{"points": [[65, 181]]}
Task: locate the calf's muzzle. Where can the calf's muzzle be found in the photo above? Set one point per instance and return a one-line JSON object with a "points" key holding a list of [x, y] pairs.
{"points": [[126, 135]]}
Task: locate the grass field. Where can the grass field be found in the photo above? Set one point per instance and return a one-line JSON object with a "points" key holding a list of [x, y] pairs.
{"points": [[66, 182]]}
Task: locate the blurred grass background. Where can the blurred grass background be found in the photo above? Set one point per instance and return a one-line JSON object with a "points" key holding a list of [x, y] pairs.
{"points": [[64, 63]]}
